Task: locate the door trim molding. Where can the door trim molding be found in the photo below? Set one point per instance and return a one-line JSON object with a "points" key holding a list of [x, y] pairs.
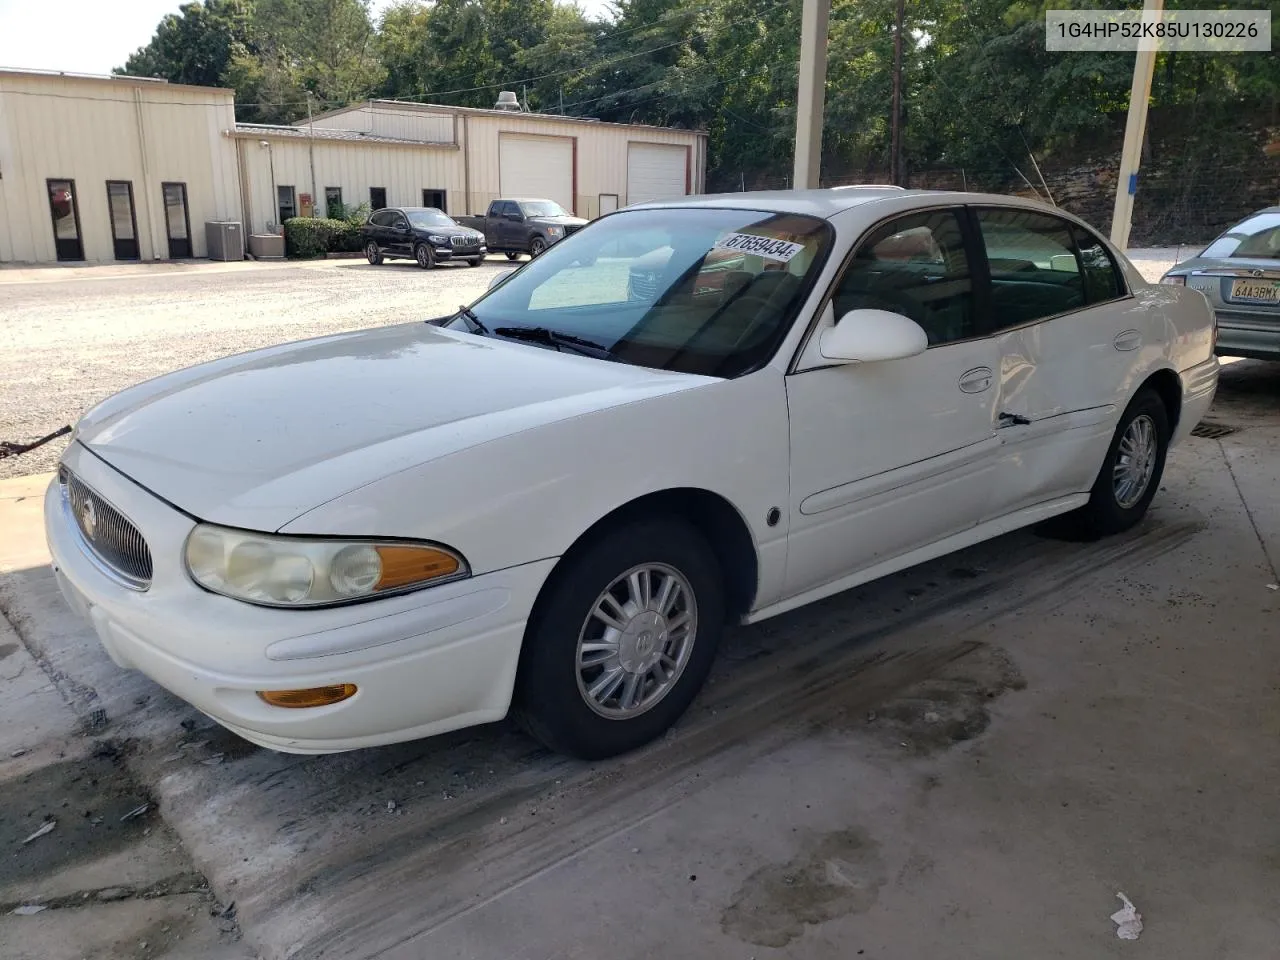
{"points": [[899, 477]]}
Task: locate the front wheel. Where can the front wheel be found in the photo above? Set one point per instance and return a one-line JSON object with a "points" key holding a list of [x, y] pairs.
{"points": [[475, 261], [1131, 472], [422, 253], [372, 253], [621, 641], [537, 247]]}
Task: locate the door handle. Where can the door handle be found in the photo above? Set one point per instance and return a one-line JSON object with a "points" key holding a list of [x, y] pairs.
{"points": [[1013, 420], [976, 380]]}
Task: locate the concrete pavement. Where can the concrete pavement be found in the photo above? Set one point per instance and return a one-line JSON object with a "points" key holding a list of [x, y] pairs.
{"points": [[968, 759]]}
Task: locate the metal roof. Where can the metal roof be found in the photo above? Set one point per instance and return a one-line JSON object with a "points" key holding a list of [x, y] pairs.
{"points": [[250, 130]]}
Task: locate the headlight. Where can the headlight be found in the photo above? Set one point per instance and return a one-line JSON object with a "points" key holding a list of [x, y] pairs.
{"points": [[439, 241], [300, 572], [555, 231]]}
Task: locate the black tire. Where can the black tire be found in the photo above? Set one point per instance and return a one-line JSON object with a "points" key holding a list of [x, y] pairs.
{"points": [[537, 247], [372, 253], [512, 255], [422, 253], [475, 261], [1108, 512], [550, 700]]}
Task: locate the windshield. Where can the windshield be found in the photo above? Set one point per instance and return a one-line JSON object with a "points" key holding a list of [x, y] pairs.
{"points": [[543, 208], [690, 290], [1258, 236], [429, 218]]}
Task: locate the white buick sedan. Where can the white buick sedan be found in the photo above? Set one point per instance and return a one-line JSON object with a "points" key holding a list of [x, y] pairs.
{"points": [[690, 413]]}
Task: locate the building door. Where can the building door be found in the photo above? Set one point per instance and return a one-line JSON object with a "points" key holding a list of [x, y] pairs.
{"points": [[124, 219], [378, 198], [177, 220], [65, 213], [286, 204], [435, 198], [537, 168], [656, 171]]}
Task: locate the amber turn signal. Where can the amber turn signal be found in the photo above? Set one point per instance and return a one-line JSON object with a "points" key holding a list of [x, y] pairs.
{"points": [[402, 566], [311, 697]]}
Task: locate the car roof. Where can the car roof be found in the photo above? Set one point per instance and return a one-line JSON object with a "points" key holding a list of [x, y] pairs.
{"points": [[828, 202], [414, 209]]}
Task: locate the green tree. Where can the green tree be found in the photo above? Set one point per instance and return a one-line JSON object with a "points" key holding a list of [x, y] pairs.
{"points": [[195, 45]]}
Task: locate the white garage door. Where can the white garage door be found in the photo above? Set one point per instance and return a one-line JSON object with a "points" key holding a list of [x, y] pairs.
{"points": [[536, 167], [655, 171]]}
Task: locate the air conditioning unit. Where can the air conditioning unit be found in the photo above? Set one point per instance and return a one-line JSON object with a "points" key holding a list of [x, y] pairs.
{"points": [[507, 100], [225, 239]]}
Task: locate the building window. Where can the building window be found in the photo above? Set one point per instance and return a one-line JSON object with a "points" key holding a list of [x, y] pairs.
{"points": [[333, 208], [377, 197], [286, 203], [435, 198]]}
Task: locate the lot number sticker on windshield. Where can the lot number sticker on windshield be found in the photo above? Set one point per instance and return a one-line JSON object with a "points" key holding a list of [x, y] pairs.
{"points": [[767, 247]]}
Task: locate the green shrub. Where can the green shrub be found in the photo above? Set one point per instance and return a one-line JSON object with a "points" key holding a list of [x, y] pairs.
{"points": [[306, 237]]}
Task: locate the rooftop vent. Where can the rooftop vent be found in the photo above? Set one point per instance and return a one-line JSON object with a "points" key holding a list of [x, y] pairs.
{"points": [[507, 101]]}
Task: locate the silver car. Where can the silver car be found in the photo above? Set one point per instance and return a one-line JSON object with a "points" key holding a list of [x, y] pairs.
{"points": [[1240, 274]]}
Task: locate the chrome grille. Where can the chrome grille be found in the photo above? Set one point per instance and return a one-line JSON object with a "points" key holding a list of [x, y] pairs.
{"points": [[465, 241], [106, 532], [643, 285]]}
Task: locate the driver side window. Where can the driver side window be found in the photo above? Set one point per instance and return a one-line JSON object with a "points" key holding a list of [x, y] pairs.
{"points": [[916, 266]]}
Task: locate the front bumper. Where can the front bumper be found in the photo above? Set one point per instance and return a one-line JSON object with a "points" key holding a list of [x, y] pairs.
{"points": [[424, 663], [459, 253]]}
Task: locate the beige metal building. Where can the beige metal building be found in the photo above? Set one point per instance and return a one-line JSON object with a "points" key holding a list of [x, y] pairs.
{"points": [[391, 153], [98, 169], [112, 168]]}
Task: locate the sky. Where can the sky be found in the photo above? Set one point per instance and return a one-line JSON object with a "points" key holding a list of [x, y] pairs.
{"points": [[92, 36]]}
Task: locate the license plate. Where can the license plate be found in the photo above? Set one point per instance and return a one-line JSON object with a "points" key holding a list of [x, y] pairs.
{"points": [[1258, 291]]}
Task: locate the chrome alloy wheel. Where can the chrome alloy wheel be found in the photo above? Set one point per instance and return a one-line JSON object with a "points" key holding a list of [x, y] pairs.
{"points": [[1135, 461], [636, 641]]}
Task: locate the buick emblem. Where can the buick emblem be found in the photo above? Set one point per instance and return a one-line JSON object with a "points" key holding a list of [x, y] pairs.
{"points": [[89, 518], [1255, 273]]}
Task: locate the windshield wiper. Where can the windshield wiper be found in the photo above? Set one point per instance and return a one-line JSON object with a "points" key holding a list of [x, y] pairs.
{"points": [[554, 338], [471, 318]]}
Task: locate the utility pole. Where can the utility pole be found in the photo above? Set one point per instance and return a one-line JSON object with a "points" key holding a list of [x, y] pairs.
{"points": [[311, 150], [811, 95], [1144, 65], [895, 159]]}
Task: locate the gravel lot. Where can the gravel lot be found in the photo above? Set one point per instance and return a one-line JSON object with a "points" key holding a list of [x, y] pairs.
{"points": [[78, 335]]}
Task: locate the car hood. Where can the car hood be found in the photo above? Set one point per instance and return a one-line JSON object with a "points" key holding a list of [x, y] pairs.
{"points": [[258, 439], [559, 221]]}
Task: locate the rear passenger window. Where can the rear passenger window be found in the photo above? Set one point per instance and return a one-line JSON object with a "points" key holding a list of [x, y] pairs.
{"points": [[915, 266], [1102, 280], [1034, 270]]}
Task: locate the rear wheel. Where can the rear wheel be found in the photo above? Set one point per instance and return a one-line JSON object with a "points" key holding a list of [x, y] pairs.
{"points": [[621, 641], [512, 255], [1131, 472], [422, 253], [537, 247], [372, 253]]}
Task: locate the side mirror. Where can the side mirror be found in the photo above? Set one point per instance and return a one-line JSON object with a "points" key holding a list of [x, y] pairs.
{"points": [[497, 278], [865, 336]]}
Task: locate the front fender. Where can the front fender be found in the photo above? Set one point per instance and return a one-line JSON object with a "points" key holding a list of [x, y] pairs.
{"points": [[530, 495]]}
